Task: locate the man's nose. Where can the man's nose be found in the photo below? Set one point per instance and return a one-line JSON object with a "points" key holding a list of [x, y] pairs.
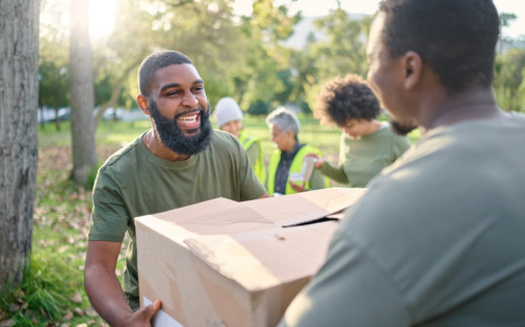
{"points": [[190, 100]]}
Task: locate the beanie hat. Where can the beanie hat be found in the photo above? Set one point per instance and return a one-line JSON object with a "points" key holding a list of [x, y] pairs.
{"points": [[227, 110]]}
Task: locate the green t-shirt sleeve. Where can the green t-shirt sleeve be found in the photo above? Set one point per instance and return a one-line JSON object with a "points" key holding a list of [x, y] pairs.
{"points": [[109, 217], [337, 174], [348, 290], [401, 144]]}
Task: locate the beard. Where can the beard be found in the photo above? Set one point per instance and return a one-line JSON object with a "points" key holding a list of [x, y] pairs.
{"points": [[172, 136], [400, 129]]}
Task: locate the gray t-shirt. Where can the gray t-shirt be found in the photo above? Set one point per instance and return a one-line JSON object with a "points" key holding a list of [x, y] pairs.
{"points": [[134, 182], [438, 240]]}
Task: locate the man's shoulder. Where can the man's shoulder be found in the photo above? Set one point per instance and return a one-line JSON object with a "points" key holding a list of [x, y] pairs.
{"points": [[126, 155], [224, 140]]}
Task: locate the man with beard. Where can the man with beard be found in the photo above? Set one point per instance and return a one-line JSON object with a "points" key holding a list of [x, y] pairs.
{"points": [[180, 161], [438, 238]]}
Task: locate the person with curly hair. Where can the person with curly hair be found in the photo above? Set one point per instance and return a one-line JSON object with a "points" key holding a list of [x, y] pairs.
{"points": [[367, 145]]}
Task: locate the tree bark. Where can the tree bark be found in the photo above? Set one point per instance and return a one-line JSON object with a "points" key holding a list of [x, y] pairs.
{"points": [[82, 93], [19, 22]]}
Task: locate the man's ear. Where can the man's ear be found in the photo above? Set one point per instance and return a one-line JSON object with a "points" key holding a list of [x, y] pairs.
{"points": [[413, 65], [143, 103]]}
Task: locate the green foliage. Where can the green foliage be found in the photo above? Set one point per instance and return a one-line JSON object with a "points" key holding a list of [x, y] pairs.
{"points": [[259, 108], [343, 52], [509, 81]]}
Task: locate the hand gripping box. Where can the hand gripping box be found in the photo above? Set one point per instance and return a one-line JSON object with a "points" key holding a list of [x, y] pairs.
{"points": [[237, 264]]}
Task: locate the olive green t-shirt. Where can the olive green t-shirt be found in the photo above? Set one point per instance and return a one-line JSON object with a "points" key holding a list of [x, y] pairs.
{"points": [[133, 182], [437, 240], [362, 159]]}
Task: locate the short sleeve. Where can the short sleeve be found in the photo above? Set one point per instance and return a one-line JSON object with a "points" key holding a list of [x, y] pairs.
{"points": [[401, 145], [109, 217]]}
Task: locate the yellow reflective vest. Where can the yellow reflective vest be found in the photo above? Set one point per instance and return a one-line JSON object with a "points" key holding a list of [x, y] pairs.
{"points": [[296, 167], [258, 166]]}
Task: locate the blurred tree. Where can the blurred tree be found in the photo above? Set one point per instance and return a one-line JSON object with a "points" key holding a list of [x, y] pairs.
{"points": [[259, 108], [82, 93], [53, 85], [242, 57], [204, 30], [505, 20], [266, 74], [509, 80], [53, 59], [18, 135], [343, 51]]}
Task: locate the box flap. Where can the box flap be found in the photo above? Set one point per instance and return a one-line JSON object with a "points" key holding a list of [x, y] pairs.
{"points": [[306, 206], [263, 259], [216, 216]]}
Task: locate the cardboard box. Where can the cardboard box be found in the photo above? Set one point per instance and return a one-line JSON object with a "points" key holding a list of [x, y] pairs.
{"points": [[227, 263]]}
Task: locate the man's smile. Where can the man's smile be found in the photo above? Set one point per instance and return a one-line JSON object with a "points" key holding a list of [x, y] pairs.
{"points": [[190, 120]]}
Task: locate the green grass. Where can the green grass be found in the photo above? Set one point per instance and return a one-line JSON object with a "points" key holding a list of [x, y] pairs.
{"points": [[53, 291]]}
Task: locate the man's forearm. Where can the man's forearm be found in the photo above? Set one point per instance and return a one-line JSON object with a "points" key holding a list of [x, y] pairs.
{"points": [[106, 295]]}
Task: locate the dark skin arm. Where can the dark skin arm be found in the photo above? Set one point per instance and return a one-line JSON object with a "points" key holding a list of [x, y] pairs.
{"points": [[104, 290]]}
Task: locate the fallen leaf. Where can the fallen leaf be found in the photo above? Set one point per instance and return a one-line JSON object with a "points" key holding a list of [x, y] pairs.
{"points": [[77, 298], [79, 311], [90, 311], [7, 323], [14, 307], [68, 316]]}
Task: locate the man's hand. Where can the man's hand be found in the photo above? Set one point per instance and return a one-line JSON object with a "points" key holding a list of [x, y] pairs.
{"points": [[143, 316], [104, 291], [298, 188], [320, 161]]}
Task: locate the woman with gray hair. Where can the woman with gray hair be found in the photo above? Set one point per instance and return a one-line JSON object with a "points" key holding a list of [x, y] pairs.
{"points": [[285, 169]]}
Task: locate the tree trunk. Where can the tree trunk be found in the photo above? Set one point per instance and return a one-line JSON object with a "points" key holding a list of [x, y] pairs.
{"points": [[82, 93], [18, 134]]}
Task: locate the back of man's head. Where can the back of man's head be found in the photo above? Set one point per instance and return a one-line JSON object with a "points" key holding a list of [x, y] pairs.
{"points": [[149, 67], [457, 38]]}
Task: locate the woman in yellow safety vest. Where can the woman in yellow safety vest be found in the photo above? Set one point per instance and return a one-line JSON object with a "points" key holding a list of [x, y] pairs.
{"points": [[285, 169], [228, 116]]}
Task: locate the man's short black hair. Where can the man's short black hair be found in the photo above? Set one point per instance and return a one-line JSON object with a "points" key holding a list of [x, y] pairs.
{"points": [[345, 98], [457, 38], [149, 67]]}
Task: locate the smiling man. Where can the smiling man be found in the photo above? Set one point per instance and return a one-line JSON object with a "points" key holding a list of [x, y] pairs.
{"points": [[437, 240], [180, 161]]}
